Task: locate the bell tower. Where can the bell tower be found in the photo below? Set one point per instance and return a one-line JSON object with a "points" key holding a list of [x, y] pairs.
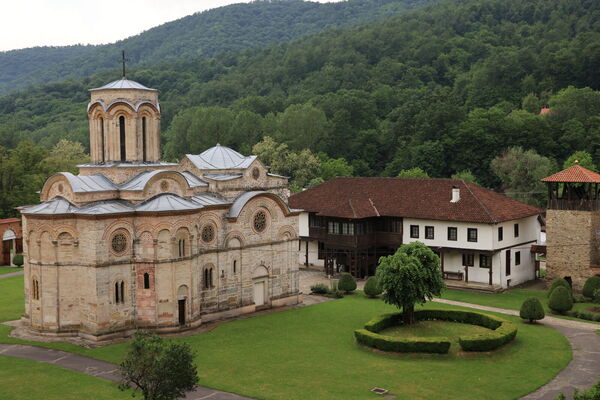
{"points": [[124, 119]]}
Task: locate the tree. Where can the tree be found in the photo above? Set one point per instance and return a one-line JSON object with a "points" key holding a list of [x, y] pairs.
{"points": [[582, 158], [160, 370], [332, 167], [411, 275], [560, 300], [64, 157], [521, 171], [465, 175], [347, 283], [532, 309], [372, 288], [415, 172]]}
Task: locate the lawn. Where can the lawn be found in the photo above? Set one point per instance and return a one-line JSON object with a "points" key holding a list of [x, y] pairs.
{"points": [[11, 298], [511, 299], [6, 270], [30, 380], [310, 353]]}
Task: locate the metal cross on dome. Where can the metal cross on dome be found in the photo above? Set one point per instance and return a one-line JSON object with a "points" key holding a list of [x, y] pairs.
{"points": [[123, 61]]}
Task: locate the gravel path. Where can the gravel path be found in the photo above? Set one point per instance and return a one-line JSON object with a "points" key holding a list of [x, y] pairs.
{"points": [[16, 273]]}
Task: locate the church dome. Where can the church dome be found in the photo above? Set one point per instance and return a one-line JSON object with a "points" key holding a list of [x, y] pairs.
{"points": [[123, 83], [221, 157]]}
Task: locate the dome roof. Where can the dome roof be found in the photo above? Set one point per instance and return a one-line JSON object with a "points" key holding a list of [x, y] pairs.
{"points": [[220, 157], [123, 83]]}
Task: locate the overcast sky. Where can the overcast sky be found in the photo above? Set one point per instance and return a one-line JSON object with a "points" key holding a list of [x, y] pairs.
{"points": [[29, 23]]}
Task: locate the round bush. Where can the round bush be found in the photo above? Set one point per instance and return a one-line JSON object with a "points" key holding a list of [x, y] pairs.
{"points": [[559, 282], [18, 260], [347, 283], [591, 285], [560, 300], [319, 288], [532, 309], [372, 288]]}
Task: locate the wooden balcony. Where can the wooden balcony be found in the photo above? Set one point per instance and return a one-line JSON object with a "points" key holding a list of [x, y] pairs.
{"points": [[574, 205]]}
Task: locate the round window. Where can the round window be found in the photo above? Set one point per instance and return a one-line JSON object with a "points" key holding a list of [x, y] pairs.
{"points": [[255, 173], [208, 233], [260, 221], [119, 243]]}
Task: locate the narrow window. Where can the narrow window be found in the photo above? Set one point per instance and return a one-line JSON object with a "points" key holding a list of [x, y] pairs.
{"points": [[429, 232], [234, 266], [414, 231], [210, 276], [500, 234], [122, 137], [146, 281], [117, 298], [206, 282], [122, 292], [468, 259], [517, 258], [181, 247], [507, 262], [452, 233], [35, 289], [516, 230], [102, 139], [472, 234], [144, 139], [485, 261]]}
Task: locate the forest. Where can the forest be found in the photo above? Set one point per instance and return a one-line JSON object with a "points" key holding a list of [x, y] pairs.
{"points": [[454, 87], [203, 34]]}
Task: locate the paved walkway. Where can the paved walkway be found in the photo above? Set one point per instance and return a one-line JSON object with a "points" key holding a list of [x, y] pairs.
{"points": [[16, 273], [97, 368], [581, 373]]}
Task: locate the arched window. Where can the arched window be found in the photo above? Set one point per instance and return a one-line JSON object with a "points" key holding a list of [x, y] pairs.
{"points": [[120, 292], [122, 137], [102, 139], [146, 281], [181, 247], [144, 139], [35, 289], [234, 266], [117, 297], [210, 277]]}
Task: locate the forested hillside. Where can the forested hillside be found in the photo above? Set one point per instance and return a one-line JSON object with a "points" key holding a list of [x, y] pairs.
{"points": [[230, 28], [446, 88]]}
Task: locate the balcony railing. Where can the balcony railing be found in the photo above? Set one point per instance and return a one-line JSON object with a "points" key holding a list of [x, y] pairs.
{"points": [[574, 205]]}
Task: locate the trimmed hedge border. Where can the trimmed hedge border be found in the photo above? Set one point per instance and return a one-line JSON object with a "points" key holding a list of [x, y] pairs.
{"points": [[501, 332]]}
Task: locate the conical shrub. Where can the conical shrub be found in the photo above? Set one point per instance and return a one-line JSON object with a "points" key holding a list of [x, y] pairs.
{"points": [[559, 282], [591, 285], [560, 300], [347, 283], [532, 309], [372, 288]]}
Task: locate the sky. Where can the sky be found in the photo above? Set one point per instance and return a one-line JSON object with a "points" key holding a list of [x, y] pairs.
{"points": [[29, 23]]}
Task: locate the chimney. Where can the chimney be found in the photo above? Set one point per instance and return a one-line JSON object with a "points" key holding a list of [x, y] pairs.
{"points": [[455, 194]]}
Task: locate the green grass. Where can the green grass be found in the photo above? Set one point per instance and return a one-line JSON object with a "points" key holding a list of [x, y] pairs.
{"points": [[7, 270], [447, 329], [512, 300], [11, 298], [30, 380]]}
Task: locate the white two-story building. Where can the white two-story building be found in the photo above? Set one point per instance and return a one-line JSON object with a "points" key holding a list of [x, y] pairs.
{"points": [[481, 236]]}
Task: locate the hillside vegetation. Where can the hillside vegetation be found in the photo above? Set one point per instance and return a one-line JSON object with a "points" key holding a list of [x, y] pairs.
{"points": [[446, 88], [205, 34]]}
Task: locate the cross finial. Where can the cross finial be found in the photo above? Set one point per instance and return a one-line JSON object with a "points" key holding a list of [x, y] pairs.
{"points": [[123, 61]]}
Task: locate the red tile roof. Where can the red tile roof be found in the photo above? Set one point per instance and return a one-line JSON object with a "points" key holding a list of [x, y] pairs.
{"points": [[544, 111], [424, 198], [575, 173]]}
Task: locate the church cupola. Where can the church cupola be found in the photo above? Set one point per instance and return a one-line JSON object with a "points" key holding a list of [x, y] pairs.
{"points": [[124, 119]]}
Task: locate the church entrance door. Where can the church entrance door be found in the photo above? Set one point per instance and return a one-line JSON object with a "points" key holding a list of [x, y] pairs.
{"points": [[181, 306], [259, 293]]}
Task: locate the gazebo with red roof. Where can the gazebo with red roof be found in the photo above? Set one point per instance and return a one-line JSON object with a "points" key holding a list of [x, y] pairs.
{"points": [[575, 188]]}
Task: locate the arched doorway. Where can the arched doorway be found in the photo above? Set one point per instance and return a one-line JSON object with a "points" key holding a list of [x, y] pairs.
{"points": [[8, 246], [182, 295], [260, 280]]}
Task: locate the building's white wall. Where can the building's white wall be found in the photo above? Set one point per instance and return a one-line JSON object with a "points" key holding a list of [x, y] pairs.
{"points": [[529, 230], [303, 224], [484, 234], [313, 254]]}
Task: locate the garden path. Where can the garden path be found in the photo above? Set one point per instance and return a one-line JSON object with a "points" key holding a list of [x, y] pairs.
{"points": [[16, 273], [584, 369], [97, 368]]}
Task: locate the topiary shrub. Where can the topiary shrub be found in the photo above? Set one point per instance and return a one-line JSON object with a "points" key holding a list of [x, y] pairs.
{"points": [[560, 300], [319, 288], [18, 260], [590, 286], [532, 309], [347, 283], [372, 288], [559, 282]]}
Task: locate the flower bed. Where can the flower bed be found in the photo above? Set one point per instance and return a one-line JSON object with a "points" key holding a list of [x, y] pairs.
{"points": [[500, 332]]}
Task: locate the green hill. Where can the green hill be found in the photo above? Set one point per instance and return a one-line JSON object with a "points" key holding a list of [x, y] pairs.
{"points": [[205, 34]]}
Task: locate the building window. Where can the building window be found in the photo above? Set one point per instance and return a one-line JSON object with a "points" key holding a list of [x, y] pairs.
{"points": [[472, 235], [508, 262], [414, 231], [347, 228], [255, 173], [208, 233], [468, 259], [314, 221], [181, 247], [208, 278], [35, 289], [144, 139], [120, 292], [234, 266], [452, 233], [429, 232], [122, 138], [119, 243], [500, 234], [485, 261], [146, 281], [516, 230], [260, 221], [517, 258], [102, 139]]}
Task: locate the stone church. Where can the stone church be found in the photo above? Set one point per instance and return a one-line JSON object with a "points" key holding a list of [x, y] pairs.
{"points": [[136, 243]]}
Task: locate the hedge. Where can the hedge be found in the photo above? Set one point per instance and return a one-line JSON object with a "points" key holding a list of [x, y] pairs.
{"points": [[501, 332]]}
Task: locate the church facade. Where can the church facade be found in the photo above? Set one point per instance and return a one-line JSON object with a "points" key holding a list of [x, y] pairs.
{"points": [[132, 242]]}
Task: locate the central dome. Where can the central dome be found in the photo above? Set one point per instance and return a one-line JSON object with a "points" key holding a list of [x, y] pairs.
{"points": [[221, 157]]}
